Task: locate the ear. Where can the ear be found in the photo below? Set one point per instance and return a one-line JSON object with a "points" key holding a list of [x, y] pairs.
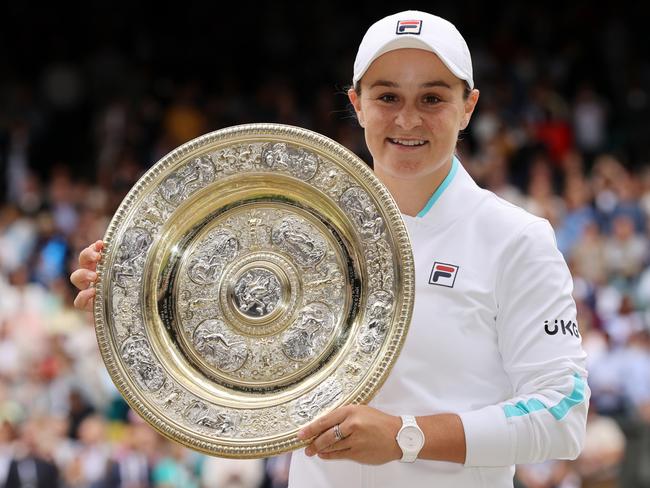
{"points": [[355, 100], [469, 106]]}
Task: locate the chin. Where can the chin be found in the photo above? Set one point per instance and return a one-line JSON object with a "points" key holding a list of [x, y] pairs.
{"points": [[408, 167], [406, 172]]}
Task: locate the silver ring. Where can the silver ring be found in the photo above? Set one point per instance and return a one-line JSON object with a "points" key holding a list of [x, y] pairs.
{"points": [[337, 433]]}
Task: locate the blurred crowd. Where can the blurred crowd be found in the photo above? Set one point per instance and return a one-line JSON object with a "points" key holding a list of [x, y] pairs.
{"points": [[561, 130]]}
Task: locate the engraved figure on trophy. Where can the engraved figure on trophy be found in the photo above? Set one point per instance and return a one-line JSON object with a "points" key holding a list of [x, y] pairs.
{"points": [[254, 223], [380, 267], [309, 334], [182, 183], [329, 178], [362, 210], [237, 158], [137, 355], [309, 407], [134, 245], [206, 267], [172, 399], [380, 306], [154, 214], [200, 414], [300, 240], [257, 292], [212, 341], [125, 307], [298, 162]]}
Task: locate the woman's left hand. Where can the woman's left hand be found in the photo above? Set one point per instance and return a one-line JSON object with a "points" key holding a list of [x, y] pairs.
{"points": [[368, 435]]}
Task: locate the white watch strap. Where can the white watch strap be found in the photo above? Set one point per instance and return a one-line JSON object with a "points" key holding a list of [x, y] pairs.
{"points": [[409, 457], [409, 420]]}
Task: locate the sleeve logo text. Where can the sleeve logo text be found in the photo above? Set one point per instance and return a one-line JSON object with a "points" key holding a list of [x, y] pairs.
{"points": [[566, 327]]}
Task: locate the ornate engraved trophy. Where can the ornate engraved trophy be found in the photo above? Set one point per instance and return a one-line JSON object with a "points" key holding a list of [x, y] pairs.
{"points": [[253, 279]]}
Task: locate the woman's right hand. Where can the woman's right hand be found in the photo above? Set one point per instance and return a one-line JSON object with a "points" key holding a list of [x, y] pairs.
{"points": [[84, 277]]}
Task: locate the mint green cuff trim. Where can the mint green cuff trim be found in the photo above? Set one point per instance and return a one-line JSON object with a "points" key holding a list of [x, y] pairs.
{"points": [[559, 411]]}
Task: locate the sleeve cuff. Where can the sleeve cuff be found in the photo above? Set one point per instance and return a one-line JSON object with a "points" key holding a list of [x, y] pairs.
{"points": [[488, 438]]}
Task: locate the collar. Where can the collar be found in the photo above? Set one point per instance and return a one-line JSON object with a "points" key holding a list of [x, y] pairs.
{"points": [[441, 188], [454, 197]]}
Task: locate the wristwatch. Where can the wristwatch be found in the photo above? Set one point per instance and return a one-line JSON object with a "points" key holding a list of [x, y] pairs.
{"points": [[410, 439]]}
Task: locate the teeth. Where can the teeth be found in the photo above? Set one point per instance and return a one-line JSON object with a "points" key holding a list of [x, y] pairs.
{"points": [[409, 142]]}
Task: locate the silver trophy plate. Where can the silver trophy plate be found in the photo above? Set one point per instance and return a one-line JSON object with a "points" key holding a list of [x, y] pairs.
{"points": [[252, 280]]}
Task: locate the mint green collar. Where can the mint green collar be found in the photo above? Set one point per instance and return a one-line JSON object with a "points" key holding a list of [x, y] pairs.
{"points": [[443, 186]]}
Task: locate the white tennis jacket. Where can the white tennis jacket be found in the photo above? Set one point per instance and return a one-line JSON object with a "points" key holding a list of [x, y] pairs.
{"points": [[493, 338]]}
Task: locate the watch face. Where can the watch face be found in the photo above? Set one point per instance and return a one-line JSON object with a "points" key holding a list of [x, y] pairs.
{"points": [[410, 438]]}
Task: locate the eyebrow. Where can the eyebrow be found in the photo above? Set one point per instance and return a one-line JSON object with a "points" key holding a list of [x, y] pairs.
{"points": [[428, 84]]}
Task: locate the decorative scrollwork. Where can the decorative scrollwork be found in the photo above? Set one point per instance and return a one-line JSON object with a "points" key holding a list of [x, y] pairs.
{"points": [[218, 346], [380, 307], [310, 333], [146, 370], [298, 162], [206, 267], [199, 413], [185, 181], [363, 212], [312, 405], [300, 240], [134, 245]]}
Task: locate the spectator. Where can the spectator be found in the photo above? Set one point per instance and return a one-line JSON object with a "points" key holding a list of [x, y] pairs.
{"points": [[176, 468], [30, 465], [600, 463], [626, 252], [589, 121], [232, 473]]}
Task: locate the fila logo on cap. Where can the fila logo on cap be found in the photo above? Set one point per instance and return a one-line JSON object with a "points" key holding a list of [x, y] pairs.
{"points": [[443, 274], [409, 27]]}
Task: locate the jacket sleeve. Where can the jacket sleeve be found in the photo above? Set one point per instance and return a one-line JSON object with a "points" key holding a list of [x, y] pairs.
{"points": [[540, 344]]}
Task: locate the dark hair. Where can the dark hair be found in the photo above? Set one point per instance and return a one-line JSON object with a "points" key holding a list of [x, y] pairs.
{"points": [[466, 89]]}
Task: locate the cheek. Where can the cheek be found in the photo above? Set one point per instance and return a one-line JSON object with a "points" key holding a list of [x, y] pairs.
{"points": [[376, 125], [445, 122]]}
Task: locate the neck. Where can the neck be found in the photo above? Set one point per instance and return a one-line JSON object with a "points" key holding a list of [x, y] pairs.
{"points": [[411, 195]]}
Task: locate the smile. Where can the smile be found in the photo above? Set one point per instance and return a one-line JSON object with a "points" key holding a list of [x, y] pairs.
{"points": [[408, 142]]}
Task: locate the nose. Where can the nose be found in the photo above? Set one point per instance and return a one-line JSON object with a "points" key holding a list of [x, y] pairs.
{"points": [[408, 117]]}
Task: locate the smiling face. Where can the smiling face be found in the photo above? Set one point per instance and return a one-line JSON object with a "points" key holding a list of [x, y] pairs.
{"points": [[412, 108]]}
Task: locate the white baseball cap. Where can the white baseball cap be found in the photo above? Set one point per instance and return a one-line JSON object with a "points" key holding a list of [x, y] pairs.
{"points": [[418, 30]]}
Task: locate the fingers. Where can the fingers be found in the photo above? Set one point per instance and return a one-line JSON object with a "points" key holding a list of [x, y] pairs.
{"points": [[82, 278], [90, 256], [322, 442], [366, 435], [85, 299], [342, 454], [346, 428], [344, 444], [323, 423], [328, 440]]}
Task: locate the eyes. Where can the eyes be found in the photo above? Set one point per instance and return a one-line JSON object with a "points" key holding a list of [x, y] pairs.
{"points": [[431, 99], [390, 98]]}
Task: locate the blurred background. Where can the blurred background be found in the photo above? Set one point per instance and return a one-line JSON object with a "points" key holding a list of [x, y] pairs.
{"points": [[92, 95]]}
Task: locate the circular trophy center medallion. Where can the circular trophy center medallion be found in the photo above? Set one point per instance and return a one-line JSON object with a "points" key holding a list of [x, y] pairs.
{"points": [[257, 292]]}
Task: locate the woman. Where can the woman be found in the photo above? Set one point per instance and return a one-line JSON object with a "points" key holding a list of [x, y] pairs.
{"points": [[492, 371]]}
